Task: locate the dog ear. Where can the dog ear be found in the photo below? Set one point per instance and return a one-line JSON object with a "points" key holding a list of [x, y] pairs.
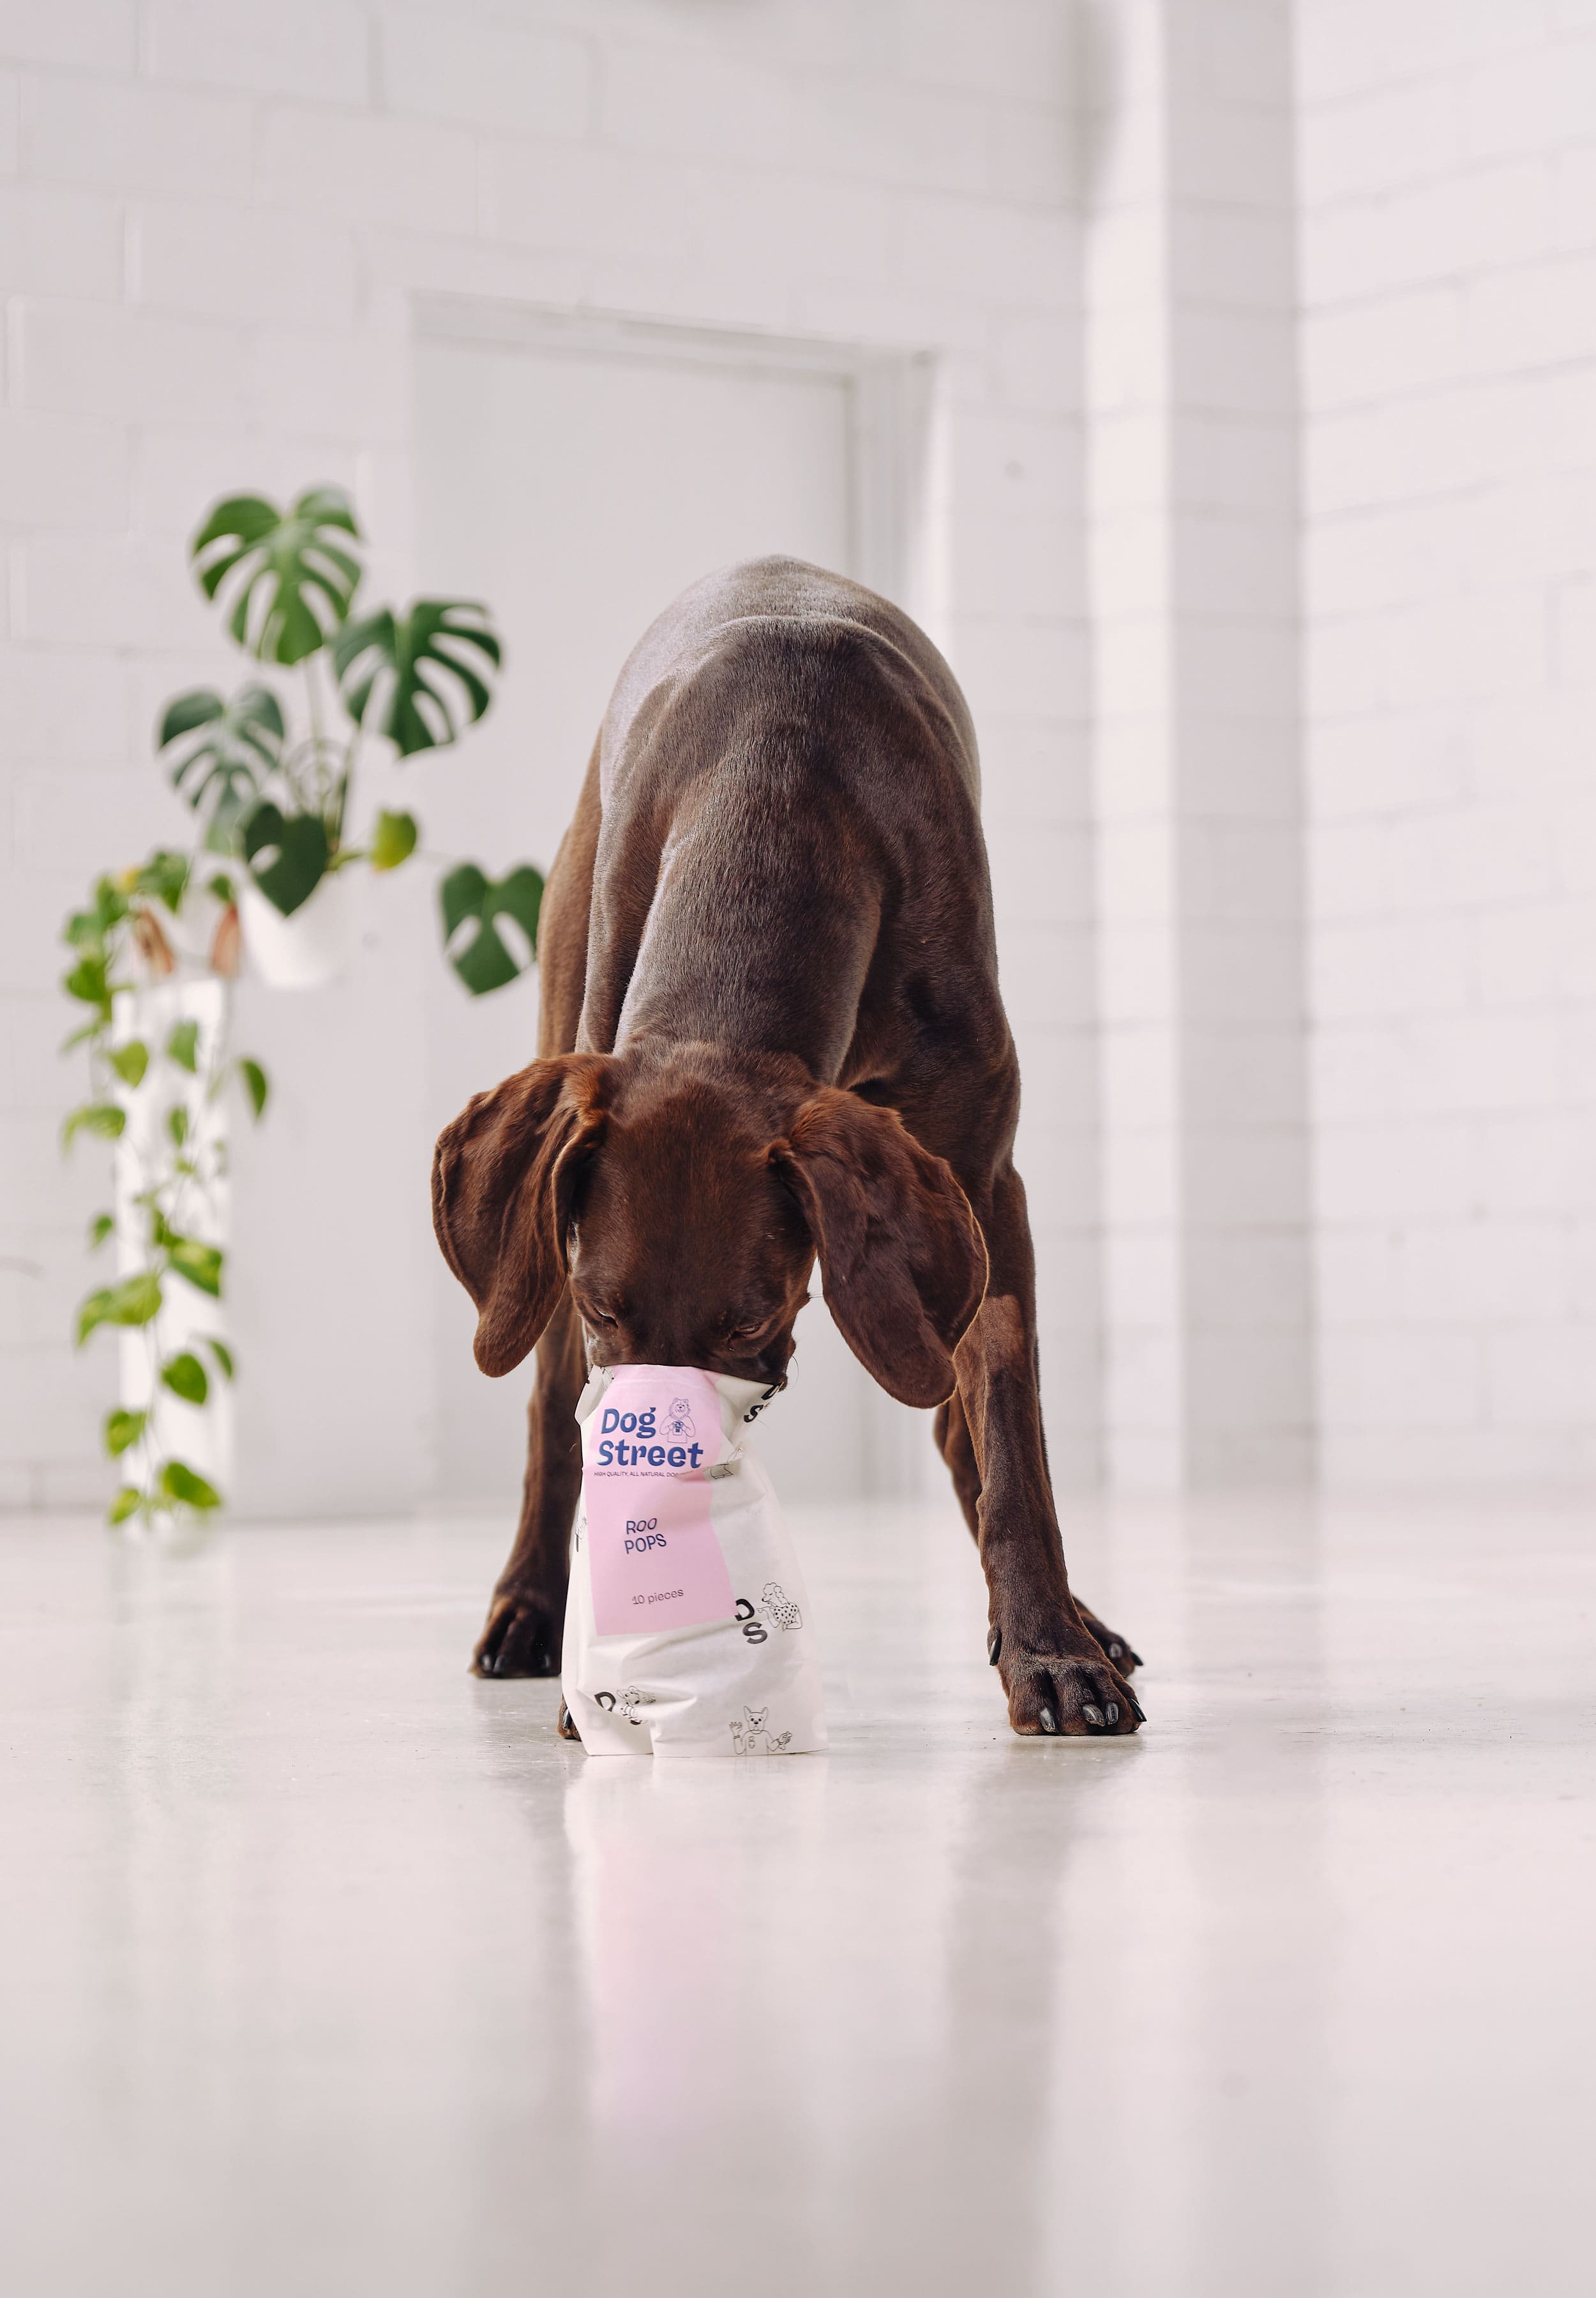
{"points": [[504, 1176], [902, 1259]]}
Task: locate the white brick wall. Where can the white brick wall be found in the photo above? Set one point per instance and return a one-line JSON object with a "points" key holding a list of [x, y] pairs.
{"points": [[1448, 188], [1192, 399], [214, 215]]}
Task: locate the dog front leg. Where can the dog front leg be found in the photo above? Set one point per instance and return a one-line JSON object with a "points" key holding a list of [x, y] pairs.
{"points": [[1053, 1670], [954, 1443], [526, 1618]]}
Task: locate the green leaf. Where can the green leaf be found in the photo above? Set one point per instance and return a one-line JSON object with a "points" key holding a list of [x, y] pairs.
{"points": [[201, 1264], [471, 902], [101, 1117], [89, 928], [182, 1046], [176, 1125], [123, 1429], [287, 854], [222, 751], [164, 877], [127, 1503], [255, 1083], [178, 1482], [134, 1301], [393, 840], [287, 581], [99, 1229], [184, 1376], [223, 1355], [130, 1061], [88, 982], [421, 678]]}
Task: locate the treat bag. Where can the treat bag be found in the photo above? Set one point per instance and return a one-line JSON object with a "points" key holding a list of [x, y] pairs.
{"points": [[687, 1626]]}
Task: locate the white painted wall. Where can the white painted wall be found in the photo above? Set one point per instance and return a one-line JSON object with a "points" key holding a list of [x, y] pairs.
{"points": [[1292, 837], [1192, 464], [1448, 173], [217, 220]]}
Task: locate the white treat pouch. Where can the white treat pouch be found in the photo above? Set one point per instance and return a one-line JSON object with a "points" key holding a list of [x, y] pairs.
{"points": [[687, 1625]]}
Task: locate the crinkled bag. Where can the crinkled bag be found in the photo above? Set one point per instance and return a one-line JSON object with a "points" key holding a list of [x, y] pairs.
{"points": [[687, 1626]]}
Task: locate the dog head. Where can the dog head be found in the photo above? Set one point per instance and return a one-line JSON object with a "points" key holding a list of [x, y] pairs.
{"points": [[685, 1197]]}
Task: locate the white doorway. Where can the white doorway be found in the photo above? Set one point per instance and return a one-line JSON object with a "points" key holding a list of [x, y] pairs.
{"points": [[577, 478]]}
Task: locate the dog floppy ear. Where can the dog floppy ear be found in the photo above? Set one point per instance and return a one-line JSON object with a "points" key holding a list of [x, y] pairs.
{"points": [[902, 1259], [504, 1176]]}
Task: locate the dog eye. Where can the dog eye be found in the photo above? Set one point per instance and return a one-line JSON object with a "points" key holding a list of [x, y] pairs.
{"points": [[597, 1317]]}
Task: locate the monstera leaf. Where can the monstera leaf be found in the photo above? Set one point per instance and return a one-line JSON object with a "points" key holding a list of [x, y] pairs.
{"points": [[287, 854], [287, 579], [222, 751], [471, 902], [421, 677]]}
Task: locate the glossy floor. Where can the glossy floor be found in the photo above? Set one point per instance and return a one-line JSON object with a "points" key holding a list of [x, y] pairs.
{"points": [[328, 1969]]}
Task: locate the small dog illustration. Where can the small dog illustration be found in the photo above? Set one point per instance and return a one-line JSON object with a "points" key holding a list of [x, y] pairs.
{"points": [[679, 1421], [779, 1607], [625, 1704], [750, 1737]]}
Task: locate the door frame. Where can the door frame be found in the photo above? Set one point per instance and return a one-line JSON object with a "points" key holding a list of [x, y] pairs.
{"points": [[891, 397]]}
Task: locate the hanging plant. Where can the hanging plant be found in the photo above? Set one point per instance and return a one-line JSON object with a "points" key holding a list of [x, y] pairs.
{"points": [[273, 788], [171, 1168]]}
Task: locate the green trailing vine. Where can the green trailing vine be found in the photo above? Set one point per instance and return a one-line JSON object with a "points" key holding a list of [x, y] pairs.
{"points": [[178, 1166]]}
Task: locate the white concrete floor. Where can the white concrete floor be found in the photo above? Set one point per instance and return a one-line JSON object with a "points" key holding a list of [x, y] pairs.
{"points": [[324, 1968]]}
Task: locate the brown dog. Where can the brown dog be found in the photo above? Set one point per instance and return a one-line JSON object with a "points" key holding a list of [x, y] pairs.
{"points": [[770, 997]]}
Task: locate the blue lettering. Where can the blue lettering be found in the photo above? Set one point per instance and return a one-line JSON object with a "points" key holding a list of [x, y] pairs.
{"points": [[696, 1452], [645, 1422], [676, 1456], [604, 1451], [656, 1456], [629, 1421], [610, 1422]]}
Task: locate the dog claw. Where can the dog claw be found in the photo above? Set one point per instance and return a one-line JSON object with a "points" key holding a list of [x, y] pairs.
{"points": [[1116, 1651], [1111, 1713], [1046, 1720], [1094, 1715], [994, 1646]]}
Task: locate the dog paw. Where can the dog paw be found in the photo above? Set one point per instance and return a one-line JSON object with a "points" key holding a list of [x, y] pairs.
{"points": [[566, 1726], [1116, 1647], [1058, 1694], [522, 1637]]}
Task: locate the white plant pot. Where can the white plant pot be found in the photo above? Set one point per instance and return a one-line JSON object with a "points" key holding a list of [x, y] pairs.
{"points": [[313, 947]]}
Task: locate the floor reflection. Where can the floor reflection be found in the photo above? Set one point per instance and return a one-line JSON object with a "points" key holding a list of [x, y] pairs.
{"points": [[325, 1968]]}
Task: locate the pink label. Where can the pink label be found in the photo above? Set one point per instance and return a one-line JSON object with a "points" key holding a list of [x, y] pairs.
{"points": [[652, 1552]]}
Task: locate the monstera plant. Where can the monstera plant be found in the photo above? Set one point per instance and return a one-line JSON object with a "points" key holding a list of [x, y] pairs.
{"points": [[281, 803], [155, 951]]}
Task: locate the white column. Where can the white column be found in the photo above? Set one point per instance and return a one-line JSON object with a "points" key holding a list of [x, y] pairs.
{"points": [[1194, 520]]}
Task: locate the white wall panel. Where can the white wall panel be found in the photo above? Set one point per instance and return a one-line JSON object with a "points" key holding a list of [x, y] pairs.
{"points": [[218, 218]]}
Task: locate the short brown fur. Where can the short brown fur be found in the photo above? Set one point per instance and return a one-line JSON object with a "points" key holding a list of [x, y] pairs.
{"points": [[772, 1033]]}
